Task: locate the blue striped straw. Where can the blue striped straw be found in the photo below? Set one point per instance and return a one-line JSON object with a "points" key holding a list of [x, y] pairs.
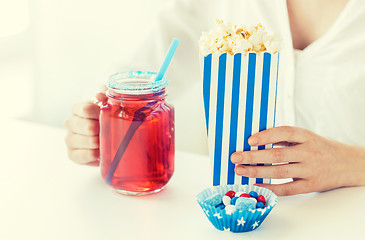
{"points": [[166, 62]]}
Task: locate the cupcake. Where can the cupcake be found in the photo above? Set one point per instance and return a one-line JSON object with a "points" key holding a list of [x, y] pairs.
{"points": [[236, 208]]}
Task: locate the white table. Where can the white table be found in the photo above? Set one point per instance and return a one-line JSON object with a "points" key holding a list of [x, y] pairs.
{"points": [[46, 196]]}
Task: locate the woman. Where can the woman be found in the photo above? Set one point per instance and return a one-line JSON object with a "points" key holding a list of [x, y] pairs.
{"points": [[321, 81]]}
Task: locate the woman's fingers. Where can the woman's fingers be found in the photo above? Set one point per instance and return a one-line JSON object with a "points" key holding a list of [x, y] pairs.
{"points": [[84, 156], [272, 155], [280, 134], [83, 126], [86, 109], [94, 163], [272, 171], [287, 189], [83, 149], [77, 141], [82, 139], [101, 97]]}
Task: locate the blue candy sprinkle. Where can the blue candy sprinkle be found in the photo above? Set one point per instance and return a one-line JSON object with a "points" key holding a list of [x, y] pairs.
{"points": [[220, 206], [213, 200], [260, 205], [244, 203], [254, 194], [233, 201]]}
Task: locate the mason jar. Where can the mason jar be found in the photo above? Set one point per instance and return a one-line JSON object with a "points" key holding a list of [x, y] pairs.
{"points": [[137, 135]]}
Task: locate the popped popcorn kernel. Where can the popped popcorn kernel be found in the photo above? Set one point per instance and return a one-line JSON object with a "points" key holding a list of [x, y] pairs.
{"points": [[232, 39]]}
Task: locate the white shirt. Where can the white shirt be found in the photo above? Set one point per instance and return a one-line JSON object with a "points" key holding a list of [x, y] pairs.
{"points": [[322, 90], [329, 91]]}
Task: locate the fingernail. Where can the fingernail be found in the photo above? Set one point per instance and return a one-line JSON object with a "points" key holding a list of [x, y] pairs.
{"points": [[235, 158], [240, 170], [252, 141]]}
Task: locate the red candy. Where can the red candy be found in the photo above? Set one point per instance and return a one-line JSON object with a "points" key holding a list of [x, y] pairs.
{"points": [[261, 199], [230, 194], [245, 195]]}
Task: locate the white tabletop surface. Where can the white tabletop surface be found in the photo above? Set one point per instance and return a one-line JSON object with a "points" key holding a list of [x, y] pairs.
{"points": [[46, 196]]}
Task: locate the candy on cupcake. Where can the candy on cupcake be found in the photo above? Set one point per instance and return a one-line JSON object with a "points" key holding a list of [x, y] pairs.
{"points": [[245, 195], [230, 194], [214, 199], [238, 214], [233, 201], [244, 203], [238, 194], [260, 205], [261, 199], [253, 194], [220, 206], [226, 200], [230, 209]]}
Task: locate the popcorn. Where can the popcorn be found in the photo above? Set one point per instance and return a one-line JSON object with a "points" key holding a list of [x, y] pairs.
{"points": [[232, 39]]}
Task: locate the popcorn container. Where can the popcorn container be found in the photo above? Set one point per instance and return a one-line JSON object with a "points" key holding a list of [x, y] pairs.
{"points": [[136, 134], [239, 93]]}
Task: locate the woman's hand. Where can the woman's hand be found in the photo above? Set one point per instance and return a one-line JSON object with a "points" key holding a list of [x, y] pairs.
{"points": [[314, 162], [82, 139]]}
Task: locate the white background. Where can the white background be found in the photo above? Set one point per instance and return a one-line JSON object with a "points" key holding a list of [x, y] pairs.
{"points": [[53, 53]]}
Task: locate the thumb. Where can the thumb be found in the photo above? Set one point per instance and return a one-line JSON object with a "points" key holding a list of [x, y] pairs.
{"points": [[101, 97]]}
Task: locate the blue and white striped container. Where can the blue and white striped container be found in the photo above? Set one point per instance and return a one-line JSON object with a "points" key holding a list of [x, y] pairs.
{"points": [[239, 94]]}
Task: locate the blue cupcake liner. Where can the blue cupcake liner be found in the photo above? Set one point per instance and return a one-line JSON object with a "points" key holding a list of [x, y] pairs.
{"points": [[239, 221]]}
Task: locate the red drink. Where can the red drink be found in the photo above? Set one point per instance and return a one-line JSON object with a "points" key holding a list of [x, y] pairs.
{"points": [[137, 134]]}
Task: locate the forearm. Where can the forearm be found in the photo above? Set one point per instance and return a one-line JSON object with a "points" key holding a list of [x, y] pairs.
{"points": [[355, 165]]}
